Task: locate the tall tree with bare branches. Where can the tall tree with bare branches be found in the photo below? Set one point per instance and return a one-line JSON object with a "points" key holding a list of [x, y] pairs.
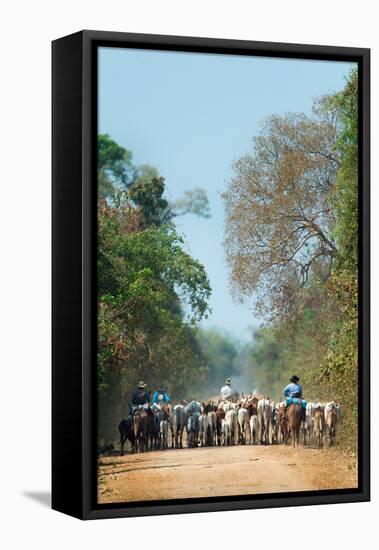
{"points": [[279, 215]]}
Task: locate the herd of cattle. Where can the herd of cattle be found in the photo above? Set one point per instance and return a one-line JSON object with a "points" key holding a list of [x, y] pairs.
{"points": [[249, 419]]}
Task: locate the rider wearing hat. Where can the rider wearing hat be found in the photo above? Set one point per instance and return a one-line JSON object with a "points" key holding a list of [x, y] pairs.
{"points": [[161, 396], [226, 391], [293, 389], [140, 396]]}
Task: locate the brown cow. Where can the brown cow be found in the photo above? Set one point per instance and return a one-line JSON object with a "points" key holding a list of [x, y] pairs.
{"points": [[283, 422], [332, 413], [294, 414], [318, 426], [140, 423]]}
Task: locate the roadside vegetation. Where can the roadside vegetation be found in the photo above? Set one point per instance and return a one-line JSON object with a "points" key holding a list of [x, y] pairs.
{"points": [[291, 243]]}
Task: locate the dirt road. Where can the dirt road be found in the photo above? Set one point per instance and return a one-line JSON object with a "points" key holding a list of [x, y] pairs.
{"points": [[222, 471]]}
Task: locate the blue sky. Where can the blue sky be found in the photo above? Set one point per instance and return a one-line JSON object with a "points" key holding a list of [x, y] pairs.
{"points": [[192, 115]]}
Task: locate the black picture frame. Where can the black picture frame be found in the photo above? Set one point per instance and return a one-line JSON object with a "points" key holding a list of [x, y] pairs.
{"points": [[74, 134]]}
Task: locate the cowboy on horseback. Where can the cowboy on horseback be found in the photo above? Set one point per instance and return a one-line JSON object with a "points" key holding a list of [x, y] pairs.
{"points": [[161, 396], [140, 398], [227, 393], [294, 394], [293, 389]]}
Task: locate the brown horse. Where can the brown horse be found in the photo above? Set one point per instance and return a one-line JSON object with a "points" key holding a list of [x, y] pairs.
{"points": [[140, 422], [294, 415]]}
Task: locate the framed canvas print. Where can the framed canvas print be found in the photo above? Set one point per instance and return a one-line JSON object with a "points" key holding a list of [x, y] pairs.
{"points": [[210, 274]]}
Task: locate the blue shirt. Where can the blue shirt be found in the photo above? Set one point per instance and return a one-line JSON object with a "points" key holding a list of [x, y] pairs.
{"points": [[292, 389], [165, 399]]}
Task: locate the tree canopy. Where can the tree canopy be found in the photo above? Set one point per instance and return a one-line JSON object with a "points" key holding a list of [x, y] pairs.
{"points": [[116, 171], [151, 292], [279, 218]]}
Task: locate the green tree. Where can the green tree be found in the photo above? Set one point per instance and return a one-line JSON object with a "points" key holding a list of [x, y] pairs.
{"points": [[116, 171], [145, 279], [339, 371], [114, 166]]}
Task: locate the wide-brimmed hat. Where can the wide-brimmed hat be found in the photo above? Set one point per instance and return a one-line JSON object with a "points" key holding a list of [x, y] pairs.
{"points": [[294, 379], [141, 384], [228, 381]]}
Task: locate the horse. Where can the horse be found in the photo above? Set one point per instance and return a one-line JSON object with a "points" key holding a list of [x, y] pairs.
{"points": [[126, 429], [294, 415]]}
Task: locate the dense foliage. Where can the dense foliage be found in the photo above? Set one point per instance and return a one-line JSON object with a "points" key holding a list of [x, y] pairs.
{"points": [[151, 292]]}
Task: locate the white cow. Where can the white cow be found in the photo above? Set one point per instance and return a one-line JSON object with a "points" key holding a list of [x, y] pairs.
{"points": [[254, 429], [225, 432], [163, 434], [228, 406], [318, 424], [231, 420], [178, 422], [243, 424], [275, 422], [306, 428], [264, 420], [203, 428], [212, 428]]}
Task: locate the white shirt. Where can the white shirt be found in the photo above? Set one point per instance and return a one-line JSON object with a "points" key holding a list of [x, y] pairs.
{"points": [[226, 392]]}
